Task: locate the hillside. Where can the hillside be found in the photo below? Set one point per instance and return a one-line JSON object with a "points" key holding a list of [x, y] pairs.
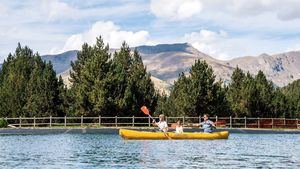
{"points": [[61, 62], [281, 68], [166, 61]]}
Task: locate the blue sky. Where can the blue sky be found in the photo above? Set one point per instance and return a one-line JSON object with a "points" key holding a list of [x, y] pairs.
{"points": [[222, 29]]}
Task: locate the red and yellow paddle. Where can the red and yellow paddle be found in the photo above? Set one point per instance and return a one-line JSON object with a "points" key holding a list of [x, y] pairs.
{"points": [[145, 110]]}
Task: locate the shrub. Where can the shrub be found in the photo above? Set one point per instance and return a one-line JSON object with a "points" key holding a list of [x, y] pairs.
{"points": [[3, 123]]}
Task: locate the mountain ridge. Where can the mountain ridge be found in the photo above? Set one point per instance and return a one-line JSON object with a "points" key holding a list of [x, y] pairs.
{"points": [[166, 61]]}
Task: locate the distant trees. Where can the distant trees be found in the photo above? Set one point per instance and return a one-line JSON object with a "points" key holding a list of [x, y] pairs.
{"points": [[246, 95], [196, 94], [255, 96], [28, 86], [292, 93]]}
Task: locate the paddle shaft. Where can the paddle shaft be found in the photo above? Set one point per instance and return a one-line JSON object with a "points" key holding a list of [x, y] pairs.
{"points": [[150, 116]]}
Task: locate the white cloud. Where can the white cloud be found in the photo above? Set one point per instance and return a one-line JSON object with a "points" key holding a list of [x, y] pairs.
{"points": [[183, 9], [222, 45], [44, 25], [283, 10], [56, 10], [38, 11], [111, 34], [3, 9], [208, 42], [252, 26], [175, 9]]}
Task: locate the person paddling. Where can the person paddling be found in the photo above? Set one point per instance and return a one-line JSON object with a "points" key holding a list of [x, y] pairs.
{"points": [[162, 124], [207, 125]]}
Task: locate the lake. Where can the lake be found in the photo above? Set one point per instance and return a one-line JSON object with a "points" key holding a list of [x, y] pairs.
{"points": [[111, 151]]}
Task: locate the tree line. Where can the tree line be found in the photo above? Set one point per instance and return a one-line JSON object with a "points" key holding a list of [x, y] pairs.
{"points": [[117, 84], [246, 96]]}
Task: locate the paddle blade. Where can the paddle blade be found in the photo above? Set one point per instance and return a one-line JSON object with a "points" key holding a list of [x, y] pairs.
{"points": [[145, 110]]}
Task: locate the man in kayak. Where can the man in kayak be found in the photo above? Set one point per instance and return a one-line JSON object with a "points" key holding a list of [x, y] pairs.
{"points": [[162, 124], [207, 125]]}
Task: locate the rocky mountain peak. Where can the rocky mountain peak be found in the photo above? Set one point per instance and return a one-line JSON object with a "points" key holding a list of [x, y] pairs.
{"points": [[166, 61]]}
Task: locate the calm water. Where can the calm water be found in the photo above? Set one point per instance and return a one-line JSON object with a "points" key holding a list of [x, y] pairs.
{"points": [[110, 151]]}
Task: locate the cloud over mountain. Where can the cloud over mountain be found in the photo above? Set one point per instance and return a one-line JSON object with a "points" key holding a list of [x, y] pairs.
{"points": [[223, 29], [111, 34]]}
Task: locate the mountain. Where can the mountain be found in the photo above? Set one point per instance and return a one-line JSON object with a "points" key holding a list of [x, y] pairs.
{"points": [[281, 68], [166, 61], [61, 62]]}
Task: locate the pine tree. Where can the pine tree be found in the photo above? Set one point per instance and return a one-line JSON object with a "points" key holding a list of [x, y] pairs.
{"points": [[234, 92], [142, 88], [263, 101], [292, 94], [280, 105], [110, 86], [198, 93], [182, 101], [63, 99], [42, 91], [131, 85], [163, 106], [28, 85], [88, 76], [121, 96]]}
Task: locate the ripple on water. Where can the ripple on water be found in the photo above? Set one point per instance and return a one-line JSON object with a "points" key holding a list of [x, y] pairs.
{"points": [[110, 151]]}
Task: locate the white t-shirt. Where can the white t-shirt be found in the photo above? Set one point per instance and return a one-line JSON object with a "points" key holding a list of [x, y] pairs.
{"points": [[179, 129], [162, 125]]}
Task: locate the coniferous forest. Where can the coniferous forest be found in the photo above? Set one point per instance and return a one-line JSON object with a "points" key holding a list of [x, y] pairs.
{"points": [[118, 84]]}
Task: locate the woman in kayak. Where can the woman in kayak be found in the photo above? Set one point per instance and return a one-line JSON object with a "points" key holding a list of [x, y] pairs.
{"points": [[179, 128], [162, 124], [207, 125]]}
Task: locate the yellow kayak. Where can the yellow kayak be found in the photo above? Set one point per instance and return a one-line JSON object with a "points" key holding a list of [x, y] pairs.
{"points": [[141, 135]]}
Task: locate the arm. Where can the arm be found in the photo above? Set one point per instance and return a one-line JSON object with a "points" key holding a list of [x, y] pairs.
{"points": [[200, 124], [191, 125], [212, 124], [154, 123]]}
